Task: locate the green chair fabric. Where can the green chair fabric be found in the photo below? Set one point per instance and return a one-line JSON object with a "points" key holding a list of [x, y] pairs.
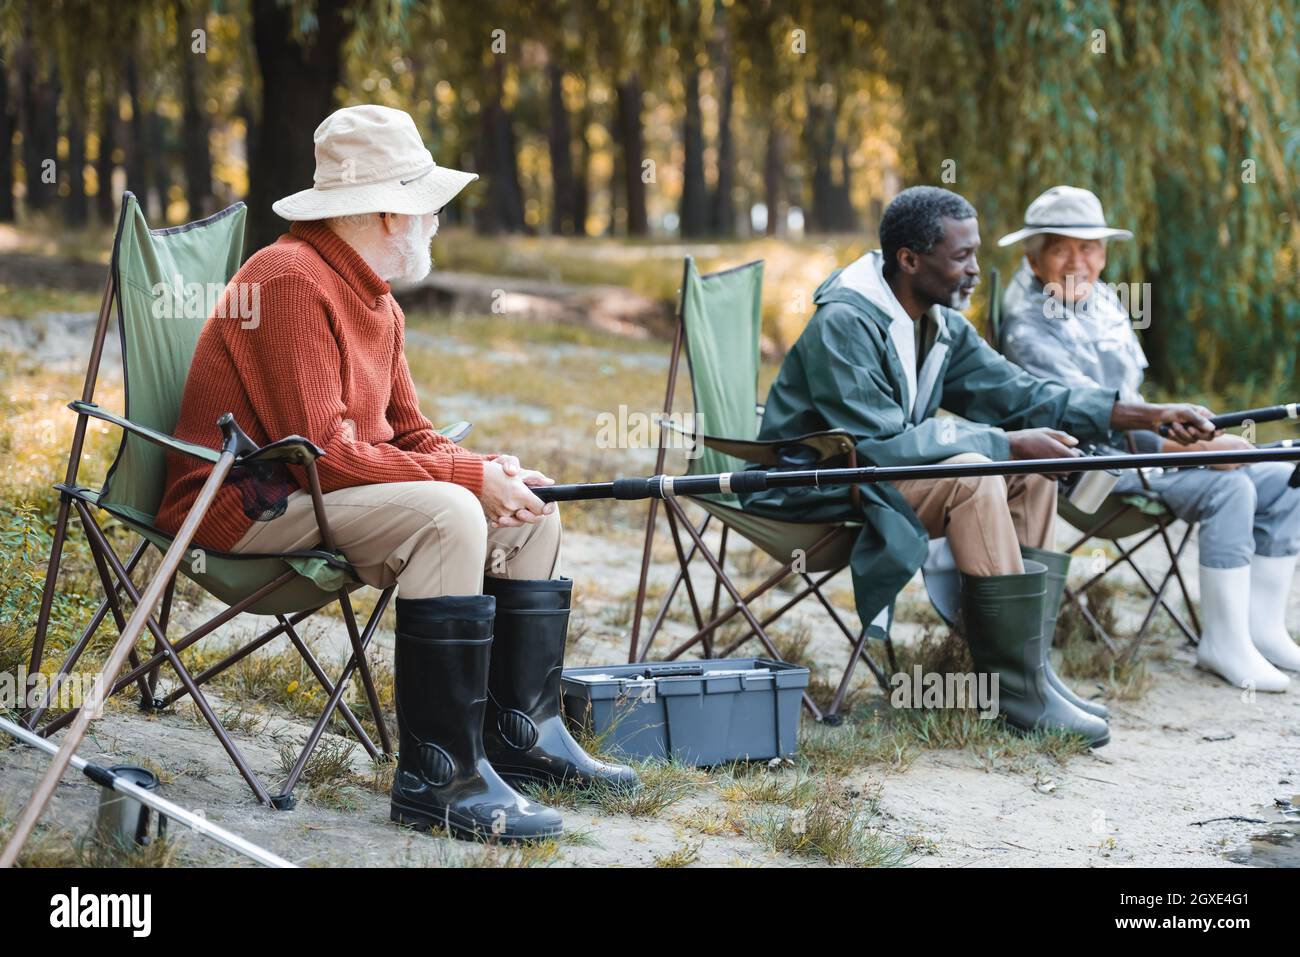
{"points": [[167, 281], [721, 313]]}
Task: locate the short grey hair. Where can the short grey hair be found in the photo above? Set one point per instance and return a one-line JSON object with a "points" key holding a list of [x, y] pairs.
{"points": [[357, 220]]}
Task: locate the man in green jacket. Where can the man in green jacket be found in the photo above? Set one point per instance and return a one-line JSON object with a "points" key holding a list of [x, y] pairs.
{"points": [[886, 349]]}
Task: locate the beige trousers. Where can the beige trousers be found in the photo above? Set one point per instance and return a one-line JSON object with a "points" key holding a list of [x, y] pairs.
{"points": [[986, 520], [428, 538]]}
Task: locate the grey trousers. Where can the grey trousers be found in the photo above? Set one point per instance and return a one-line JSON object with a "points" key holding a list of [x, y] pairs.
{"points": [[1242, 512]]}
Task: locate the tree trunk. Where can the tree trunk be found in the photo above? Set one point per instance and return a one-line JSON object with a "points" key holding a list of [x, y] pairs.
{"points": [[695, 200], [632, 153], [78, 210], [564, 221], [723, 208], [504, 208], [298, 82], [7, 124], [40, 121], [819, 137], [105, 201], [582, 182], [139, 165], [196, 129], [159, 152], [773, 179], [846, 219]]}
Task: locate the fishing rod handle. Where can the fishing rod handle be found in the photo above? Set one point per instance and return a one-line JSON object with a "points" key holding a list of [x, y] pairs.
{"points": [[656, 486], [1270, 413]]}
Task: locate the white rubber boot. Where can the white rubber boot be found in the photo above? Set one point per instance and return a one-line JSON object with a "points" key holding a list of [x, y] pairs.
{"points": [[1226, 647], [1270, 586]]}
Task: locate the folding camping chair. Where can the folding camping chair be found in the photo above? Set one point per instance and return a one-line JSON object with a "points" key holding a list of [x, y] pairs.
{"points": [[719, 324], [156, 356], [1120, 518]]}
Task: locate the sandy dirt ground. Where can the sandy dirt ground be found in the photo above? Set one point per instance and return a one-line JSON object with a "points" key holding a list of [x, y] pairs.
{"points": [[1191, 776]]}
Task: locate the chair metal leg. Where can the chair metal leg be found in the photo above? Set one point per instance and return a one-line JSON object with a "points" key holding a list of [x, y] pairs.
{"points": [[32, 718], [173, 658], [832, 715], [682, 571], [363, 666], [323, 680], [284, 799], [672, 514], [717, 590], [740, 601], [209, 626]]}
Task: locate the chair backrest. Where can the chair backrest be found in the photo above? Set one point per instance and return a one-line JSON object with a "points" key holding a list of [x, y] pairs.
{"points": [[167, 282], [721, 316]]}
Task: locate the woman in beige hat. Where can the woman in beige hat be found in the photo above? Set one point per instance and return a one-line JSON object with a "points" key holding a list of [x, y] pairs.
{"points": [[477, 659]]}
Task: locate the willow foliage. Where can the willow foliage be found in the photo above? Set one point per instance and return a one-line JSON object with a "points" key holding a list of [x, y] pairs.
{"points": [[1184, 117]]}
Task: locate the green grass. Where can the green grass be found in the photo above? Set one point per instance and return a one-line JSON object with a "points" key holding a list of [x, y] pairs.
{"points": [[834, 827]]}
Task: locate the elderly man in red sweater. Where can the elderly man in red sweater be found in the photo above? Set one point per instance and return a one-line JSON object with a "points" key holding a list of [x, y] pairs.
{"points": [[477, 660]]}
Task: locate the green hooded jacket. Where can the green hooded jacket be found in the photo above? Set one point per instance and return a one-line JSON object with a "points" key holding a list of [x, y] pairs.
{"points": [[845, 372]]}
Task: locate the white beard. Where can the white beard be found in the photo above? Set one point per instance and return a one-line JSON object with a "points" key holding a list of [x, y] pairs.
{"points": [[412, 258]]}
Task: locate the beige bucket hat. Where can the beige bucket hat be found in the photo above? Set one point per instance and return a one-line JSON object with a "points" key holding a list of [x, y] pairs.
{"points": [[370, 159], [1066, 211]]}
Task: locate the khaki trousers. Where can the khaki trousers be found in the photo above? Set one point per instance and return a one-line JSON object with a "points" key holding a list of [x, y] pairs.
{"points": [[986, 520], [428, 538]]}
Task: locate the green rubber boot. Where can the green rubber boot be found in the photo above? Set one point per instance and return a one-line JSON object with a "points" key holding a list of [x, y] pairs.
{"points": [[1058, 567], [1002, 619]]}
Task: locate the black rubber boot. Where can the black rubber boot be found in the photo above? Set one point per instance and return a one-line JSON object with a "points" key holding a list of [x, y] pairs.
{"points": [[1058, 568], [1002, 619], [525, 735], [443, 778]]}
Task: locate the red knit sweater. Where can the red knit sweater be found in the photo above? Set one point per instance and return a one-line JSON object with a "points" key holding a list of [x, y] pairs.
{"points": [[323, 360]]}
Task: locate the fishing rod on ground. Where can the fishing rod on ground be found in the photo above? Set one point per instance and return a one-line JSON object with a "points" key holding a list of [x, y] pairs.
{"points": [[757, 480], [1270, 413], [107, 777]]}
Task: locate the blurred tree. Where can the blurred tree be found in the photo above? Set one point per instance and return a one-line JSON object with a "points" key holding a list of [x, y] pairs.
{"points": [[299, 47], [1184, 117], [8, 123], [196, 130]]}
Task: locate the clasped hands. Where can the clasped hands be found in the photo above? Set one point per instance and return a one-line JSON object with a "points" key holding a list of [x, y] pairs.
{"points": [[507, 497]]}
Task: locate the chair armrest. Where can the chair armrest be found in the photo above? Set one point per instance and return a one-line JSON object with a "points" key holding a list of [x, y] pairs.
{"points": [[292, 449], [456, 431], [804, 451], [152, 435]]}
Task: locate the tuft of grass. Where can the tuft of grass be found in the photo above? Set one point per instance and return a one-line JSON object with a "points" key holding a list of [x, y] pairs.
{"points": [[1083, 658], [835, 828], [328, 775], [684, 856], [713, 821], [663, 784], [759, 785]]}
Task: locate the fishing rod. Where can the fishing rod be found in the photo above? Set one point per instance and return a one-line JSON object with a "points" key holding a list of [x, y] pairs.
{"points": [[757, 480], [1269, 413], [117, 782]]}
